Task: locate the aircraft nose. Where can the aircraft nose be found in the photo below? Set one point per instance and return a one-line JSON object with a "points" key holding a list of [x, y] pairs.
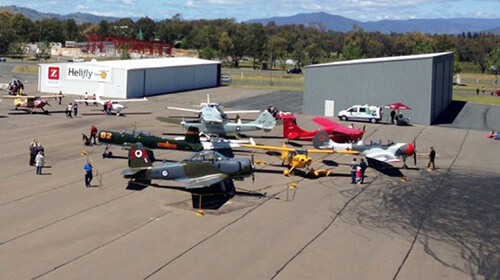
{"points": [[410, 149]]}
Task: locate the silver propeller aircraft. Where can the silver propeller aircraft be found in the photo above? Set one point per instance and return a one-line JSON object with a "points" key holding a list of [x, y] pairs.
{"points": [[211, 112], [265, 122], [374, 152]]}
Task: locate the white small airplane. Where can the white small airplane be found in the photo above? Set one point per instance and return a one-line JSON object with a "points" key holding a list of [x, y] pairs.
{"points": [[117, 107], [374, 152], [216, 143], [211, 112]]}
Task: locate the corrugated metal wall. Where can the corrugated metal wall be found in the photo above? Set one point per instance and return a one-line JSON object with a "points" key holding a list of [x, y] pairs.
{"points": [[423, 84]]}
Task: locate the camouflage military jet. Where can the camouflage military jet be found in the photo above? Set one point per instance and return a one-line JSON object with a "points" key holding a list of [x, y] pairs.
{"points": [[265, 122], [202, 170], [190, 143]]}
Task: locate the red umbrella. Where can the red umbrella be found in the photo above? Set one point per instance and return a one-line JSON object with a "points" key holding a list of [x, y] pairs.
{"points": [[399, 106]]}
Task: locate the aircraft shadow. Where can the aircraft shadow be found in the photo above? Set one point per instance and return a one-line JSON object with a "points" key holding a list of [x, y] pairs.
{"points": [[385, 168], [36, 112]]}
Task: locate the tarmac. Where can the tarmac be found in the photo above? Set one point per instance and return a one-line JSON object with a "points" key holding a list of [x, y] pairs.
{"points": [[438, 224]]}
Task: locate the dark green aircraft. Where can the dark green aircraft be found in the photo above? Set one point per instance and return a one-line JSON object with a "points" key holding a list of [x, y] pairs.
{"points": [[190, 143]]}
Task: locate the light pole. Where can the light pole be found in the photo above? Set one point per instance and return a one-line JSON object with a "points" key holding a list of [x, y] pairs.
{"points": [[271, 68]]}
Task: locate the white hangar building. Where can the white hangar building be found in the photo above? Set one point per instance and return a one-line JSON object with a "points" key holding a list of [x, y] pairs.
{"points": [[129, 78]]}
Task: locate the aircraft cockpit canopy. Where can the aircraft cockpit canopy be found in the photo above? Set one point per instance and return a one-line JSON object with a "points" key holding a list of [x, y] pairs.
{"points": [[210, 156]]}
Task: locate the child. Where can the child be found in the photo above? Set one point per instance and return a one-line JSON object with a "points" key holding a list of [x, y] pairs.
{"points": [[358, 175]]}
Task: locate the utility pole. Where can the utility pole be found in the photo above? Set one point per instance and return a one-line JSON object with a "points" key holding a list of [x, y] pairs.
{"points": [[271, 68]]}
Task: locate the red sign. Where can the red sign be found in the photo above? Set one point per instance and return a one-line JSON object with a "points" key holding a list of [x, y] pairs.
{"points": [[54, 73]]}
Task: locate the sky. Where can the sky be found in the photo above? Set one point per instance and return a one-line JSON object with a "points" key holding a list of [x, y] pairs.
{"points": [[243, 10]]}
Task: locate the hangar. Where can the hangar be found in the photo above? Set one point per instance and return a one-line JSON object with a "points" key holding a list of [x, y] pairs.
{"points": [[423, 82], [129, 78]]}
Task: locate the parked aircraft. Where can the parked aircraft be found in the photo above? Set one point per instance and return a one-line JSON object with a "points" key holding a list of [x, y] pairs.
{"points": [[265, 122], [117, 106], [336, 132], [190, 143], [298, 158], [202, 170], [374, 152], [212, 113], [15, 86], [31, 103]]}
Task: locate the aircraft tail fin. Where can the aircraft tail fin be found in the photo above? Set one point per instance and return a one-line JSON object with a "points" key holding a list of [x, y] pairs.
{"points": [[139, 157], [265, 121], [291, 129], [321, 140], [192, 135]]}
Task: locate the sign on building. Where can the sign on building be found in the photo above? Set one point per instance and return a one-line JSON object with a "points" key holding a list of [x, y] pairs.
{"points": [[53, 76], [88, 73]]}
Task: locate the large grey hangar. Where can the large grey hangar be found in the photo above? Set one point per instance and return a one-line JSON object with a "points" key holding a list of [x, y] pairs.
{"points": [[423, 82], [129, 78]]}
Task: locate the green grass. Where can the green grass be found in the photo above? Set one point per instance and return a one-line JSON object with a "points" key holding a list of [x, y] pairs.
{"points": [[482, 99], [30, 69]]}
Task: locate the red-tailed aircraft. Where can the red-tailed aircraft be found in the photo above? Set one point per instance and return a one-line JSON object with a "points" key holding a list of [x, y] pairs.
{"points": [[337, 132]]}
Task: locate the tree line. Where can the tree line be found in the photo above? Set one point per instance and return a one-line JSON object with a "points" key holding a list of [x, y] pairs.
{"points": [[231, 41]]}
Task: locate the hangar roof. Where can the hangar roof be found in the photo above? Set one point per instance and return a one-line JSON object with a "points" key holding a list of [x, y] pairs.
{"points": [[149, 63], [381, 59]]}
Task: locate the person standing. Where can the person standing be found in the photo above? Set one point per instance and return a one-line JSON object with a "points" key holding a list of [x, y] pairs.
{"points": [[477, 91], [354, 168], [483, 90], [94, 98], [86, 97], [60, 97], [432, 157], [88, 174], [75, 109], [393, 115], [362, 166], [40, 148], [39, 161], [110, 107], [93, 133], [33, 152]]}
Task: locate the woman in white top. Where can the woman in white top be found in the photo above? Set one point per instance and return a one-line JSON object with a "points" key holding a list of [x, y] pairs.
{"points": [[39, 161]]}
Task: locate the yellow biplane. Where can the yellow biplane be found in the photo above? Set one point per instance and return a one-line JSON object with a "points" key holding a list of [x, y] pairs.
{"points": [[30, 103], [299, 158]]}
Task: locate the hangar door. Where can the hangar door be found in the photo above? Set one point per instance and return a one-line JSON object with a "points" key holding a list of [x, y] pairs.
{"points": [[329, 108]]}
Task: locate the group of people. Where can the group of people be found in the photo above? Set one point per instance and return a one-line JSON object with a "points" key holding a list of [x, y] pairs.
{"points": [[37, 156], [72, 110], [358, 171], [16, 87], [273, 111], [399, 119], [483, 90]]}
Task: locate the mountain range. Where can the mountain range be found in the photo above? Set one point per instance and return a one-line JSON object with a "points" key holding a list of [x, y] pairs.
{"points": [[438, 25], [329, 21]]}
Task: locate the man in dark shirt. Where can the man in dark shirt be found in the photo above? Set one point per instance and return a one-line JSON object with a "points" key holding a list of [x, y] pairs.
{"points": [[432, 156], [354, 167], [393, 115], [363, 166]]}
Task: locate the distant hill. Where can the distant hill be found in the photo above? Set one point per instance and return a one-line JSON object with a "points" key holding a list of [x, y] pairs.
{"points": [[338, 23], [35, 15], [494, 31]]}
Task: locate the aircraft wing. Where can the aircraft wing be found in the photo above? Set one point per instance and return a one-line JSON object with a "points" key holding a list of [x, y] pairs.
{"points": [[325, 122], [205, 181], [128, 100], [315, 151], [88, 101], [242, 112], [19, 96], [269, 148], [184, 109], [388, 158], [52, 96]]}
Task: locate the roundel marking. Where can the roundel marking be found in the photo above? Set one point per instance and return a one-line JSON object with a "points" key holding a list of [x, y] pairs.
{"points": [[164, 173], [138, 153], [238, 128]]}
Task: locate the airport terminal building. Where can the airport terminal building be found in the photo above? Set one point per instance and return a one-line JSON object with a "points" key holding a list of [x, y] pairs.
{"points": [[129, 78], [423, 82]]}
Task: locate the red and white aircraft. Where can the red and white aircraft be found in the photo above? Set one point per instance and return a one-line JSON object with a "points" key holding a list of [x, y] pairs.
{"points": [[335, 131], [117, 107], [392, 152]]}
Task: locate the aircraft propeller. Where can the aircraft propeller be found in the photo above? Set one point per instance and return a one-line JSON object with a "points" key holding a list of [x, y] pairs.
{"points": [[253, 168], [415, 152]]}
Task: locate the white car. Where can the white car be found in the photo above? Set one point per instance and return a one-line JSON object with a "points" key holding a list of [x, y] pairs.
{"points": [[361, 113]]}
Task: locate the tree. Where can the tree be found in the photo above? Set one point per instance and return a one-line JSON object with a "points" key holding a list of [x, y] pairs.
{"points": [[225, 45], [457, 67], [314, 52], [104, 28], [45, 50], [17, 49], [255, 41], [423, 48], [148, 28], [70, 30], [208, 53], [494, 60], [352, 50]]}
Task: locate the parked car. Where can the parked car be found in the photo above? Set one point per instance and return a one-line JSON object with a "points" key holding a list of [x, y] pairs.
{"points": [[3, 59], [294, 71], [496, 92], [77, 59], [225, 79], [361, 113]]}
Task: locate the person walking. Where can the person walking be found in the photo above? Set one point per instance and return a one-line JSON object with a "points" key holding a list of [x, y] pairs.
{"points": [[93, 133], [75, 109], [69, 109], [362, 166], [33, 152], [432, 157], [60, 97], [39, 161], [354, 168], [88, 174]]}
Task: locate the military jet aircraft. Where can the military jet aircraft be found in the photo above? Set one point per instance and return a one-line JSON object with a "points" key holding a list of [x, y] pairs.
{"points": [[299, 158], [190, 143], [265, 122], [374, 152], [202, 170], [31, 103], [117, 107], [212, 113]]}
